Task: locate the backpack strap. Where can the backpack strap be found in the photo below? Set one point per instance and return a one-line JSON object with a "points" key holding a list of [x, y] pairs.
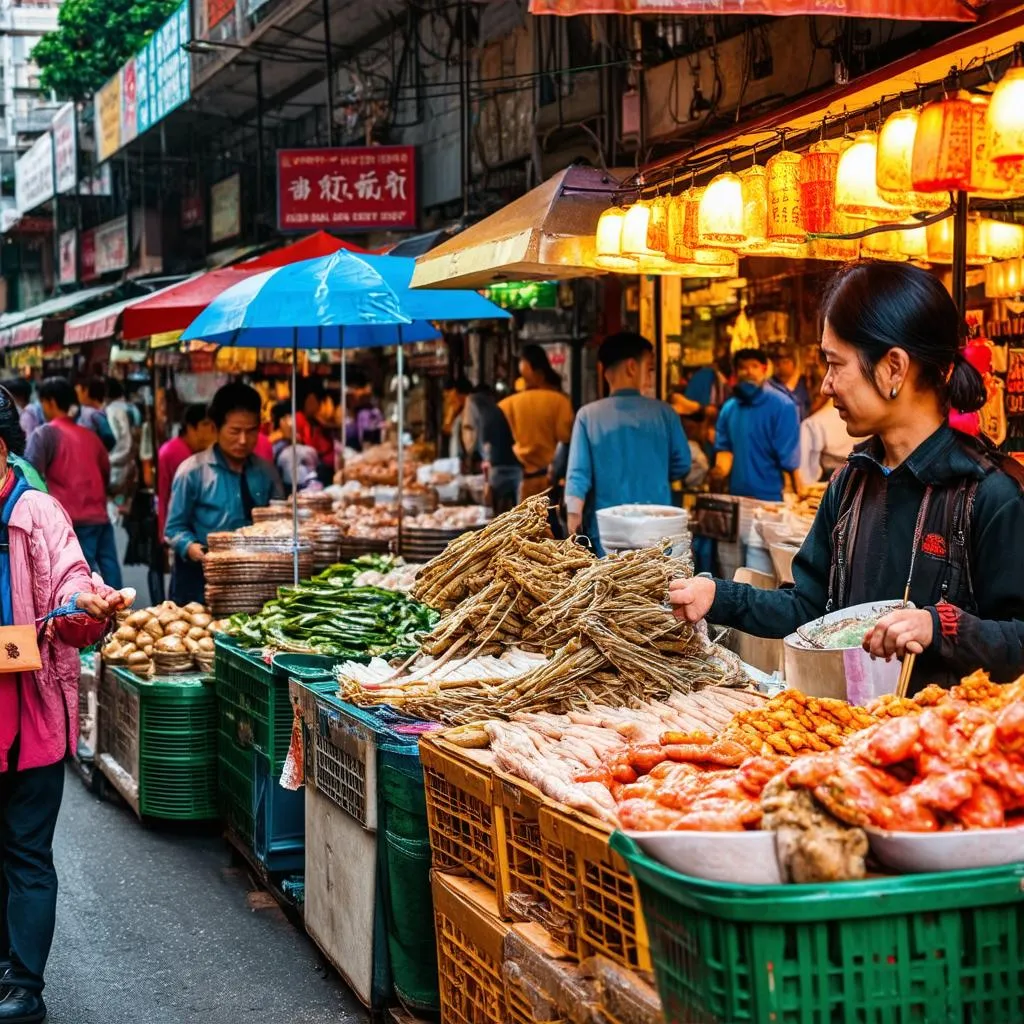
{"points": [[844, 533]]}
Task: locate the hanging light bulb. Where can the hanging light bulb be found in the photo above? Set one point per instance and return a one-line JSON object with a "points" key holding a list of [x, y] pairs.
{"points": [[634, 230], [1005, 118], [754, 187], [608, 241], [942, 146], [893, 167], [785, 216], [857, 192], [940, 242], [720, 213], [1001, 240]]}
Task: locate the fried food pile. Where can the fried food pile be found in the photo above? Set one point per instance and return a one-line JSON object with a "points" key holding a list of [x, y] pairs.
{"points": [[954, 766]]}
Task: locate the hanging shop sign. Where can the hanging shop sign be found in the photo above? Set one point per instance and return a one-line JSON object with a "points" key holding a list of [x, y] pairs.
{"points": [[903, 10], [33, 175], [129, 103], [191, 210], [217, 11], [357, 188], [1015, 383], [108, 119], [67, 264], [105, 249], [226, 209], [65, 149], [98, 184]]}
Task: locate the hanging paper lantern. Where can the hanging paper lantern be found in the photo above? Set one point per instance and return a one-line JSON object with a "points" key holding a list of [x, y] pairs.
{"points": [[754, 185], [785, 217], [633, 241], [608, 241], [841, 250], [691, 234], [692, 270], [913, 243], [1000, 240], [856, 185], [883, 245], [989, 180], [893, 166], [942, 146], [1004, 280], [657, 227], [818, 187], [1005, 117], [677, 249], [720, 213], [940, 242]]}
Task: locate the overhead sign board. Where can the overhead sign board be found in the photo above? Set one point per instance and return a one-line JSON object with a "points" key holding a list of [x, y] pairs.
{"points": [[33, 175]]}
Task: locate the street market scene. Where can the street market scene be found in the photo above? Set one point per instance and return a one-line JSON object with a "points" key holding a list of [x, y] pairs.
{"points": [[512, 511]]}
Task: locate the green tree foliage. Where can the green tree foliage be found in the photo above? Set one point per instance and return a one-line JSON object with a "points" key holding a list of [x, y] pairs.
{"points": [[93, 39]]}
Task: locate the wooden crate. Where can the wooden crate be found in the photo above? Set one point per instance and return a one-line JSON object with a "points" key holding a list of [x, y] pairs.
{"points": [[459, 787], [591, 887]]}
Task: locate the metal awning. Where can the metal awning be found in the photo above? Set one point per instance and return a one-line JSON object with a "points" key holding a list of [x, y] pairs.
{"points": [[29, 326], [548, 233]]}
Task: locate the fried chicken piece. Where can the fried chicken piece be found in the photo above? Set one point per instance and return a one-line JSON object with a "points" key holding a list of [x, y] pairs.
{"points": [[857, 793], [756, 772], [931, 695], [1010, 728], [646, 816], [945, 791], [1007, 775], [892, 742], [905, 814], [982, 809]]}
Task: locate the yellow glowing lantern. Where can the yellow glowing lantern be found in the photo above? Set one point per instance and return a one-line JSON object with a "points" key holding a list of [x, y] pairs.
{"points": [[657, 228], [913, 242], [677, 249], [883, 245], [988, 180], [634, 230], [840, 250], [608, 241], [857, 192], [1000, 240], [1005, 117], [940, 242], [720, 213], [785, 216], [691, 234], [754, 186], [893, 165], [1004, 280], [942, 146]]}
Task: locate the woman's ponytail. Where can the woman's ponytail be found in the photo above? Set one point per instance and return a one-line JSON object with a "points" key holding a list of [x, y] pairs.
{"points": [[966, 386]]}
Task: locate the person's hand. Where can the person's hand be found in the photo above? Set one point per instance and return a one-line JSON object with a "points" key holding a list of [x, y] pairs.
{"points": [[691, 599], [105, 602], [195, 552], [574, 520], [902, 632]]}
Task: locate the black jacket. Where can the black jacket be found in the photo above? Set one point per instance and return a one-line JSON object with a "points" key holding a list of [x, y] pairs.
{"points": [[977, 623]]}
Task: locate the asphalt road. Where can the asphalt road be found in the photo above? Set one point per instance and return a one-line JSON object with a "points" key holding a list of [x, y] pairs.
{"points": [[154, 926]]}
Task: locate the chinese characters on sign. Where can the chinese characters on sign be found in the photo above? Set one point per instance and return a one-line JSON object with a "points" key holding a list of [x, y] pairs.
{"points": [[108, 119], [33, 175], [358, 188], [65, 149]]}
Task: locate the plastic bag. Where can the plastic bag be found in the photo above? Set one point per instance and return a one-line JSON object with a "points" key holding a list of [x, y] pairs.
{"points": [[293, 772], [625, 527], [627, 997]]}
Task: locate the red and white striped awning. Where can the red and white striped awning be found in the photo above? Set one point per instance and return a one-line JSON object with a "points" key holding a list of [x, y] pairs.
{"points": [[899, 10]]}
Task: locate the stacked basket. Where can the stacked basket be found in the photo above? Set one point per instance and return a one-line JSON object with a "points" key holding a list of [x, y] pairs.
{"points": [[243, 572]]}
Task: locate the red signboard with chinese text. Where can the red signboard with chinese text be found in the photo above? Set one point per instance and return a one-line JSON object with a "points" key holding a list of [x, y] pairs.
{"points": [[357, 188]]}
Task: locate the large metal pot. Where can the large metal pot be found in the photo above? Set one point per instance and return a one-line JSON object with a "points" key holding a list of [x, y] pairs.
{"points": [[845, 673]]}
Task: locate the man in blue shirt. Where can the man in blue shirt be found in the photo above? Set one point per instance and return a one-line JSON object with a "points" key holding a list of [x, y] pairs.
{"points": [[790, 381], [217, 489], [758, 433], [626, 448]]}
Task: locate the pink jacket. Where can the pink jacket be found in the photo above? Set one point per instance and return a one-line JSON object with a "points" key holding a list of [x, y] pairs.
{"points": [[47, 570]]}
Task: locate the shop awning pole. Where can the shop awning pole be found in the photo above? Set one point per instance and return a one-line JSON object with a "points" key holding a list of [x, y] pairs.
{"points": [[295, 459], [401, 434], [344, 405], [959, 286]]}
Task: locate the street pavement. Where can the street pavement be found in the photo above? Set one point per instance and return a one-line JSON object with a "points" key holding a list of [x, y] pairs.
{"points": [[155, 926]]}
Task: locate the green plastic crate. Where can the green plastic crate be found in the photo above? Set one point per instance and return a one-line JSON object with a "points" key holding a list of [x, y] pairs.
{"points": [[252, 687], [183, 792], [235, 796], [917, 949]]}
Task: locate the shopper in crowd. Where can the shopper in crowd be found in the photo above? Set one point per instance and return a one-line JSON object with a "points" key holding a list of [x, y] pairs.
{"points": [[76, 468], [757, 436], [310, 427], [304, 457], [540, 417], [42, 568], [196, 435], [31, 416], [217, 489], [486, 437], [919, 505], [125, 422], [626, 448], [825, 444], [790, 381], [455, 399], [91, 395]]}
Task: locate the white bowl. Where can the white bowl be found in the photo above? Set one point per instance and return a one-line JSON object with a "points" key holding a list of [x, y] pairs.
{"points": [[744, 858], [913, 852]]}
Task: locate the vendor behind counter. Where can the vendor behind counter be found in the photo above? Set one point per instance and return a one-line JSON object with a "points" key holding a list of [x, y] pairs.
{"points": [[918, 501]]}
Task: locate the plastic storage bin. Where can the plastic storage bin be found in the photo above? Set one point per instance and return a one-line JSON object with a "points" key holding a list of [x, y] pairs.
{"points": [[916, 949]]}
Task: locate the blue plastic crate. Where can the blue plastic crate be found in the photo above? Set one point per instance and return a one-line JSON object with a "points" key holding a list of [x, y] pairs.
{"points": [[279, 831]]}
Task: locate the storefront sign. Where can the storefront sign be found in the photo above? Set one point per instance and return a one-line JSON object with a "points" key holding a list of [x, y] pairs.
{"points": [[129, 103], [33, 175], [1015, 382], [67, 244], [358, 188], [226, 209], [88, 255], [105, 249], [217, 11], [108, 119], [191, 211], [912, 10], [98, 184], [65, 149]]}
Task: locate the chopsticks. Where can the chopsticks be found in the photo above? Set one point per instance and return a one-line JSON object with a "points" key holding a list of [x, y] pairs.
{"points": [[905, 670]]}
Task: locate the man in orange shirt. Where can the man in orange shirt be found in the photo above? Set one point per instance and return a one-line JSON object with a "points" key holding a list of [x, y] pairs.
{"points": [[540, 419]]}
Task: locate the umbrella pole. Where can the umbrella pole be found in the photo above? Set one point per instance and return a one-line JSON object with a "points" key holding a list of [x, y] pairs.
{"points": [[401, 433], [344, 405], [295, 465]]}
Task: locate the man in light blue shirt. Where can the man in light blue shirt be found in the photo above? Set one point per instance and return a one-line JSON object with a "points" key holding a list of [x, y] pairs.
{"points": [[627, 448]]}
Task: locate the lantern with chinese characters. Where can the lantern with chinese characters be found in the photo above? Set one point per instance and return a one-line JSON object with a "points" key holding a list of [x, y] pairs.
{"points": [[677, 248], [720, 213], [754, 186], [608, 241], [893, 166], [657, 228], [633, 241], [1005, 116], [942, 146], [818, 188], [989, 180], [1001, 240], [691, 235], [940, 242], [857, 192], [785, 216]]}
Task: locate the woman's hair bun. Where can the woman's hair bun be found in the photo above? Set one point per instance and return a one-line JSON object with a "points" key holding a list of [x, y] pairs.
{"points": [[967, 391]]}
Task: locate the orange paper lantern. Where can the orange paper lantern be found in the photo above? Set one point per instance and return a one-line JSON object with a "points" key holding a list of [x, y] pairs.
{"points": [[720, 214], [691, 235], [657, 228], [940, 242], [857, 192], [785, 215], [942, 146], [754, 186], [893, 166], [818, 187]]}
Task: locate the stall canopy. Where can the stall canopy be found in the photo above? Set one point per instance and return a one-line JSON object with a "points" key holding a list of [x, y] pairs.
{"points": [[41, 323], [104, 322], [898, 10], [175, 308], [548, 233]]}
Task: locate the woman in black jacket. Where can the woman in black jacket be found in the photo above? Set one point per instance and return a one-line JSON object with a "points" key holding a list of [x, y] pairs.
{"points": [[918, 504]]}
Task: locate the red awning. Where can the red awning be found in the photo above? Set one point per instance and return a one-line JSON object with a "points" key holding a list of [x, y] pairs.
{"points": [[899, 10], [173, 309]]}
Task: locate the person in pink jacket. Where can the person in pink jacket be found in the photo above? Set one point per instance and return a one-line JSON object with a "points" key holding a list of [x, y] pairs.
{"points": [[42, 569]]}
